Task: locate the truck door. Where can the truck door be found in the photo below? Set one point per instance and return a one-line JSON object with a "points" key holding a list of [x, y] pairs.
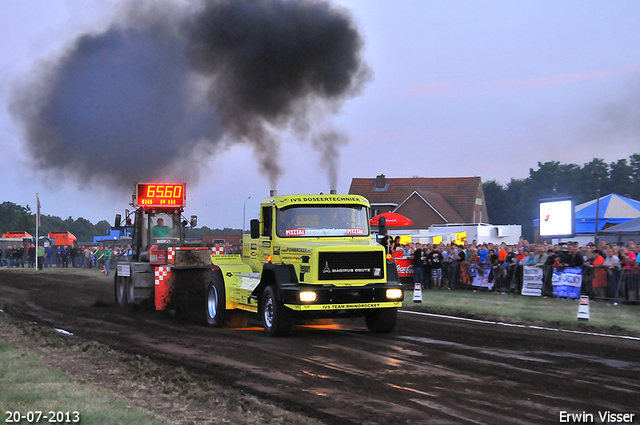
{"points": [[265, 247]]}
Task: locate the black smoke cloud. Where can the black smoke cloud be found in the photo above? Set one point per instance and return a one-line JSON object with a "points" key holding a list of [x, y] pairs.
{"points": [[160, 91], [327, 143]]}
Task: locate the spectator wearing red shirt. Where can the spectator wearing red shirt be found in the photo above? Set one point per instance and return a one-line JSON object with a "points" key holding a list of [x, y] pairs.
{"points": [[627, 258], [599, 275]]}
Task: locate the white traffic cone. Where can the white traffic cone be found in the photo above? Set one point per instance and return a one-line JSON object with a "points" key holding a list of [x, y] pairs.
{"points": [[417, 293], [583, 310]]}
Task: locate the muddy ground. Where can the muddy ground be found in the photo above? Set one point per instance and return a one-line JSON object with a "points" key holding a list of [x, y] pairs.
{"points": [[430, 370]]}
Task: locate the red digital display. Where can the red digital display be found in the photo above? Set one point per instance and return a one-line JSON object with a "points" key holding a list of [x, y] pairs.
{"points": [[160, 194]]}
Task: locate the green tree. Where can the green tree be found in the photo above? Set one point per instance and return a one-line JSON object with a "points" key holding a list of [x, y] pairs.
{"points": [[634, 161], [83, 229], [14, 217], [547, 178], [494, 196], [197, 233], [522, 207], [591, 172], [101, 227], [621, 177], [571, 180]]}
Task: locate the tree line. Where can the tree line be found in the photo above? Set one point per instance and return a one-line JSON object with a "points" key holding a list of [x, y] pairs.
{"points": [[513, 203], [517, 201], [15, 217]]}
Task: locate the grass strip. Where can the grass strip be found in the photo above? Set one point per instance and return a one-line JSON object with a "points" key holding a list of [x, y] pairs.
{"points": [[604, 315], [35, 392]]}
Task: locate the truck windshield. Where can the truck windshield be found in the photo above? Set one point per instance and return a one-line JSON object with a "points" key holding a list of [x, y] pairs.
{"points": [[163, 227], [322, 221]]}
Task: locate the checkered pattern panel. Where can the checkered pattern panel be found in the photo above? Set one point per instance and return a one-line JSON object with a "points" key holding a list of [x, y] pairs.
{"points": [[161, 273]]}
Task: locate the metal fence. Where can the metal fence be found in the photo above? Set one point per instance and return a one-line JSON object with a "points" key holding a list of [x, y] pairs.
{"points": [[622, 285]]}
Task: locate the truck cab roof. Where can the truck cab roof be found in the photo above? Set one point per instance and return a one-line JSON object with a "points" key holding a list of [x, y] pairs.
{"points": [[293, 200]]}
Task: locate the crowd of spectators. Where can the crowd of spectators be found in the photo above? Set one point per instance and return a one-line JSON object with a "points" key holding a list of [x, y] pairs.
{"points": [[609, 270], [17, 256], [226, 248], [103, 257]]}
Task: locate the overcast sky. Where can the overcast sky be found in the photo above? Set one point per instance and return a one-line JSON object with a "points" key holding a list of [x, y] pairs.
{"points": [[458, 88]]}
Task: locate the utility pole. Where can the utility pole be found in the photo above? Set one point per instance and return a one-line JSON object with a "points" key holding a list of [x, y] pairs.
{"points": [[595, 236]]}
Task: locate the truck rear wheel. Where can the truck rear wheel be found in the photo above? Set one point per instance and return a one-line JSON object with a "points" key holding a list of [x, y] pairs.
{"points": [[215, 303], [120, 285], [276, 318], [129, 286], [381, 321]]}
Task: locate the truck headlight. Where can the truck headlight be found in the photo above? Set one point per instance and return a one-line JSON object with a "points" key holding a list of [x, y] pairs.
{"points": [[308, 296], [394, 293]]}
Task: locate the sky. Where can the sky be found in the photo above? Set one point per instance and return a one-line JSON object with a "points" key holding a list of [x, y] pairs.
{"points": [[457, 88]]}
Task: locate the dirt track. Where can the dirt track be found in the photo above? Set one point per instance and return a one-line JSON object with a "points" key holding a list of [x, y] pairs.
{"points": [[430, 370]]}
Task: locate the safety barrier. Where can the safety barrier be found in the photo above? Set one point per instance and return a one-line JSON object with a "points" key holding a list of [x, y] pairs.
{"points": [[622, 285]]}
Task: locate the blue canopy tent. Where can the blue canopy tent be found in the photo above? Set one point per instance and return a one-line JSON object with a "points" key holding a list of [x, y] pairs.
{"points": [[613, 210]]}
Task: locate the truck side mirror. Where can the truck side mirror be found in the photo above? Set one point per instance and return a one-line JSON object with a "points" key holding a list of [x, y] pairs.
{"points": [[382, 226], [194, 221], [117, 221], [255, 228]]}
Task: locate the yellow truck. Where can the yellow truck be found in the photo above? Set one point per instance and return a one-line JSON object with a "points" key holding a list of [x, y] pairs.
{"points": [[306, 257]]}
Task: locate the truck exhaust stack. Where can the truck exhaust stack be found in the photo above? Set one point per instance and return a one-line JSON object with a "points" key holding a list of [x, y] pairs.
{"points": [[273, 192], [333, 192]]}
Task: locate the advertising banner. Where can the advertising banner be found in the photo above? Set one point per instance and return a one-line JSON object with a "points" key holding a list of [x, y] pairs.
{"points": [[567, 284], [404, 266], [532, 281], [482, 277]]}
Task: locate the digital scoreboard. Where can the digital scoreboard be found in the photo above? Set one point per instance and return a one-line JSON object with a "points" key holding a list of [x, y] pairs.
{"points": [[557, 218], [159, 195]]}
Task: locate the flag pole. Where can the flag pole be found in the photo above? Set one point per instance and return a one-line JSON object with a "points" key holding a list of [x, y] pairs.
{"points": [[37, 226]]}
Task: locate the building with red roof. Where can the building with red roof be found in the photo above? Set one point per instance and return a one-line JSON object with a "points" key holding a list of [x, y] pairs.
{"points": [[426, 201]]}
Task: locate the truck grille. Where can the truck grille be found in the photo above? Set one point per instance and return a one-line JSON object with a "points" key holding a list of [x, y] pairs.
{"points": [[350, 265]]}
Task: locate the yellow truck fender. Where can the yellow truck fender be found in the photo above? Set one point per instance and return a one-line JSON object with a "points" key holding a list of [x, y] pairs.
{"points": [[237, 279], [229, 265], [230, 271], [275, 274]]}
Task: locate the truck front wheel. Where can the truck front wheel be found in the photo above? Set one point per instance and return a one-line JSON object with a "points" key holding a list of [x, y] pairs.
{"points": [[381, 321], [276, 318], [215, 307]]}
